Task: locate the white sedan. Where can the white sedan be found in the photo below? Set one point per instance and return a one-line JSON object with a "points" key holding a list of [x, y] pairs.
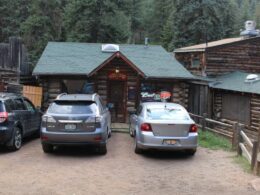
{"points": [[164, 126]]}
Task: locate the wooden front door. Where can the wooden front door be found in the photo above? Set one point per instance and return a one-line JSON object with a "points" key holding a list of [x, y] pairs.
{"points": [[117, 99]]}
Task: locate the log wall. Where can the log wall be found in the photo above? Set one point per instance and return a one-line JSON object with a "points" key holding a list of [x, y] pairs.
{"points": [[186, 60], [243, 55], [252, 128], [180, 93], [51, 88], [14, 62]]}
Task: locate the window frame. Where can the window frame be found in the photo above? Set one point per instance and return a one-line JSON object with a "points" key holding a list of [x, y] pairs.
{"points": [[30, 103], [22, 103]]}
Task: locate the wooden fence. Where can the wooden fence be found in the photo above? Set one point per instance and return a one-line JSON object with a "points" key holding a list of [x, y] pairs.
{"points": [[249, 149], [34, 94], [240, 140]]}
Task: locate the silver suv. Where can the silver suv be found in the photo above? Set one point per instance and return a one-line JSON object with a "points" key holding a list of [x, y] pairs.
{"points": [[76, 119]]}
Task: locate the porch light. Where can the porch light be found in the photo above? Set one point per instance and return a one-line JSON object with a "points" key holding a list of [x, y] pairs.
{"points": [[117, 70]]}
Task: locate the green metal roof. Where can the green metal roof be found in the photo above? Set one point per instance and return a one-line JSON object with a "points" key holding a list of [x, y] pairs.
{"points": [[236, 82], [68, 58]]}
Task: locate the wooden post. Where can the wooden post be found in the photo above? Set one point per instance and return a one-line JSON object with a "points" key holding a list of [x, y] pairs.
{"points": [[203, 125], [239, 139], [254, 155], [235, 136], [256, 169]]}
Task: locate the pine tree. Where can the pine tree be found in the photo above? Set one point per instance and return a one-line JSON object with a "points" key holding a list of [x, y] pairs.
{"points": [[12, 14], [95, 21], [197, 21], [43, 24]]}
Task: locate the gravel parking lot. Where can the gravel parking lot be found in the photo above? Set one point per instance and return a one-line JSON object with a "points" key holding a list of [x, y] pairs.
{"points": [[78, 171]]}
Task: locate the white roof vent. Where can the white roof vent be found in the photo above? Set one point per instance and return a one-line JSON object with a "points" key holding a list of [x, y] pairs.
{"points": [[252, 78], [110, 48]]}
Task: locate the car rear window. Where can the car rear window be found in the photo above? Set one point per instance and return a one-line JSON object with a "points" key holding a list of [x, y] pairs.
{"points": [[73, 107], [166, 114]]}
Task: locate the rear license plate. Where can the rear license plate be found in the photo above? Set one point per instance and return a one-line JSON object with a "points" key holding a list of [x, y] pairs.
{"points": [[170, 142], [70, 126]]}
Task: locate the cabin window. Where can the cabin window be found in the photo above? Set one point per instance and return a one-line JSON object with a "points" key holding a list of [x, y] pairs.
{"points": [[195, 63], [236, 108], [150, 92]]}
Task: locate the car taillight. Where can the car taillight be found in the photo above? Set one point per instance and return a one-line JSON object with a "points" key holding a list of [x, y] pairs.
{"points": [[97, 120], [193, 128], [3, 116], [48, 119], [146, 127]]}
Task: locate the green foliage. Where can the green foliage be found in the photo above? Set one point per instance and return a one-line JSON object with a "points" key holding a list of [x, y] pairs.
{"points": [[172, 23], [95, 21], [197, 21], [42, 25], [243, 162], [12, 14], [213, 141]]}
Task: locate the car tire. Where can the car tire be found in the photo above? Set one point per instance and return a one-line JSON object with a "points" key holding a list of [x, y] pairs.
{"points": [[109, 133], [103, 149], [16, 141], [47, 148], [191, 152], [130, 131], [137, 149]]}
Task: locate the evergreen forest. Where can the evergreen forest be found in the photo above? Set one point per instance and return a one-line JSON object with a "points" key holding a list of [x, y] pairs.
{"points": [[170, 23]]}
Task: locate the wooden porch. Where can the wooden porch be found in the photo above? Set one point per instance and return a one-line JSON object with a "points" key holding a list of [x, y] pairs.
{"points": [[120, 127]]}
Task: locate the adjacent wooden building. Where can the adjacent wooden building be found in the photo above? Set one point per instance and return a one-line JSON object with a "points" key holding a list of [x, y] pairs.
{"points": [[221, 89], [123, 74], [14, 63]]}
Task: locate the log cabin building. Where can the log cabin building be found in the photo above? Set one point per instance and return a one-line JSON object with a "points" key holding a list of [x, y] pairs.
{"points": [[221, 89], [236, 98], [123, 75], [14, 63]]}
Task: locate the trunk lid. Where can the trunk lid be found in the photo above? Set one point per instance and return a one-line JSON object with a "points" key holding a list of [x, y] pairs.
{"points": [[80, 123], [167, 129], [72, 116]]}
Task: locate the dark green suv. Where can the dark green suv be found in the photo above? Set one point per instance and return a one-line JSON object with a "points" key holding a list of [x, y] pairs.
{"points": [[18, 118]]}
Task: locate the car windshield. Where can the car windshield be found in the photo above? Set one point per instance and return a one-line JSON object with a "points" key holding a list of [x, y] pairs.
{"points": [[166, 114], [73, 107]]}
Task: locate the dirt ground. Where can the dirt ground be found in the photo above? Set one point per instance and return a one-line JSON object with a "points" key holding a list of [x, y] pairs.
{"points": [[79, 171]]}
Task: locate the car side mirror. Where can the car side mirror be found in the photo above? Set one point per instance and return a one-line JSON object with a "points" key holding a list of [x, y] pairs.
{"points": [[110, 106]]}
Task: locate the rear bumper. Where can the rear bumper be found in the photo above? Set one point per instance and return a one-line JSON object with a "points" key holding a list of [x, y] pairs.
{"points": [[78, 138], [147, 140], [5, 134]]}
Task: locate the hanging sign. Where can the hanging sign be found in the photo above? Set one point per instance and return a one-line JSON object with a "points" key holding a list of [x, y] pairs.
{"points": [[164, 95], [117, 76]]}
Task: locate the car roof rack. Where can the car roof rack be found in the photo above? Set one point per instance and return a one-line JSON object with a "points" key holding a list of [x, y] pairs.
{"points": [[62, 94]]}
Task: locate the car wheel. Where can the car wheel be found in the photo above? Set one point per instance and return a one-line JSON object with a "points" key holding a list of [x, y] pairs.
{"points": [[130, 131], [109, 133], [16, 142], [103, 149], [137, 149], [47, 148], [191, 152]]}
